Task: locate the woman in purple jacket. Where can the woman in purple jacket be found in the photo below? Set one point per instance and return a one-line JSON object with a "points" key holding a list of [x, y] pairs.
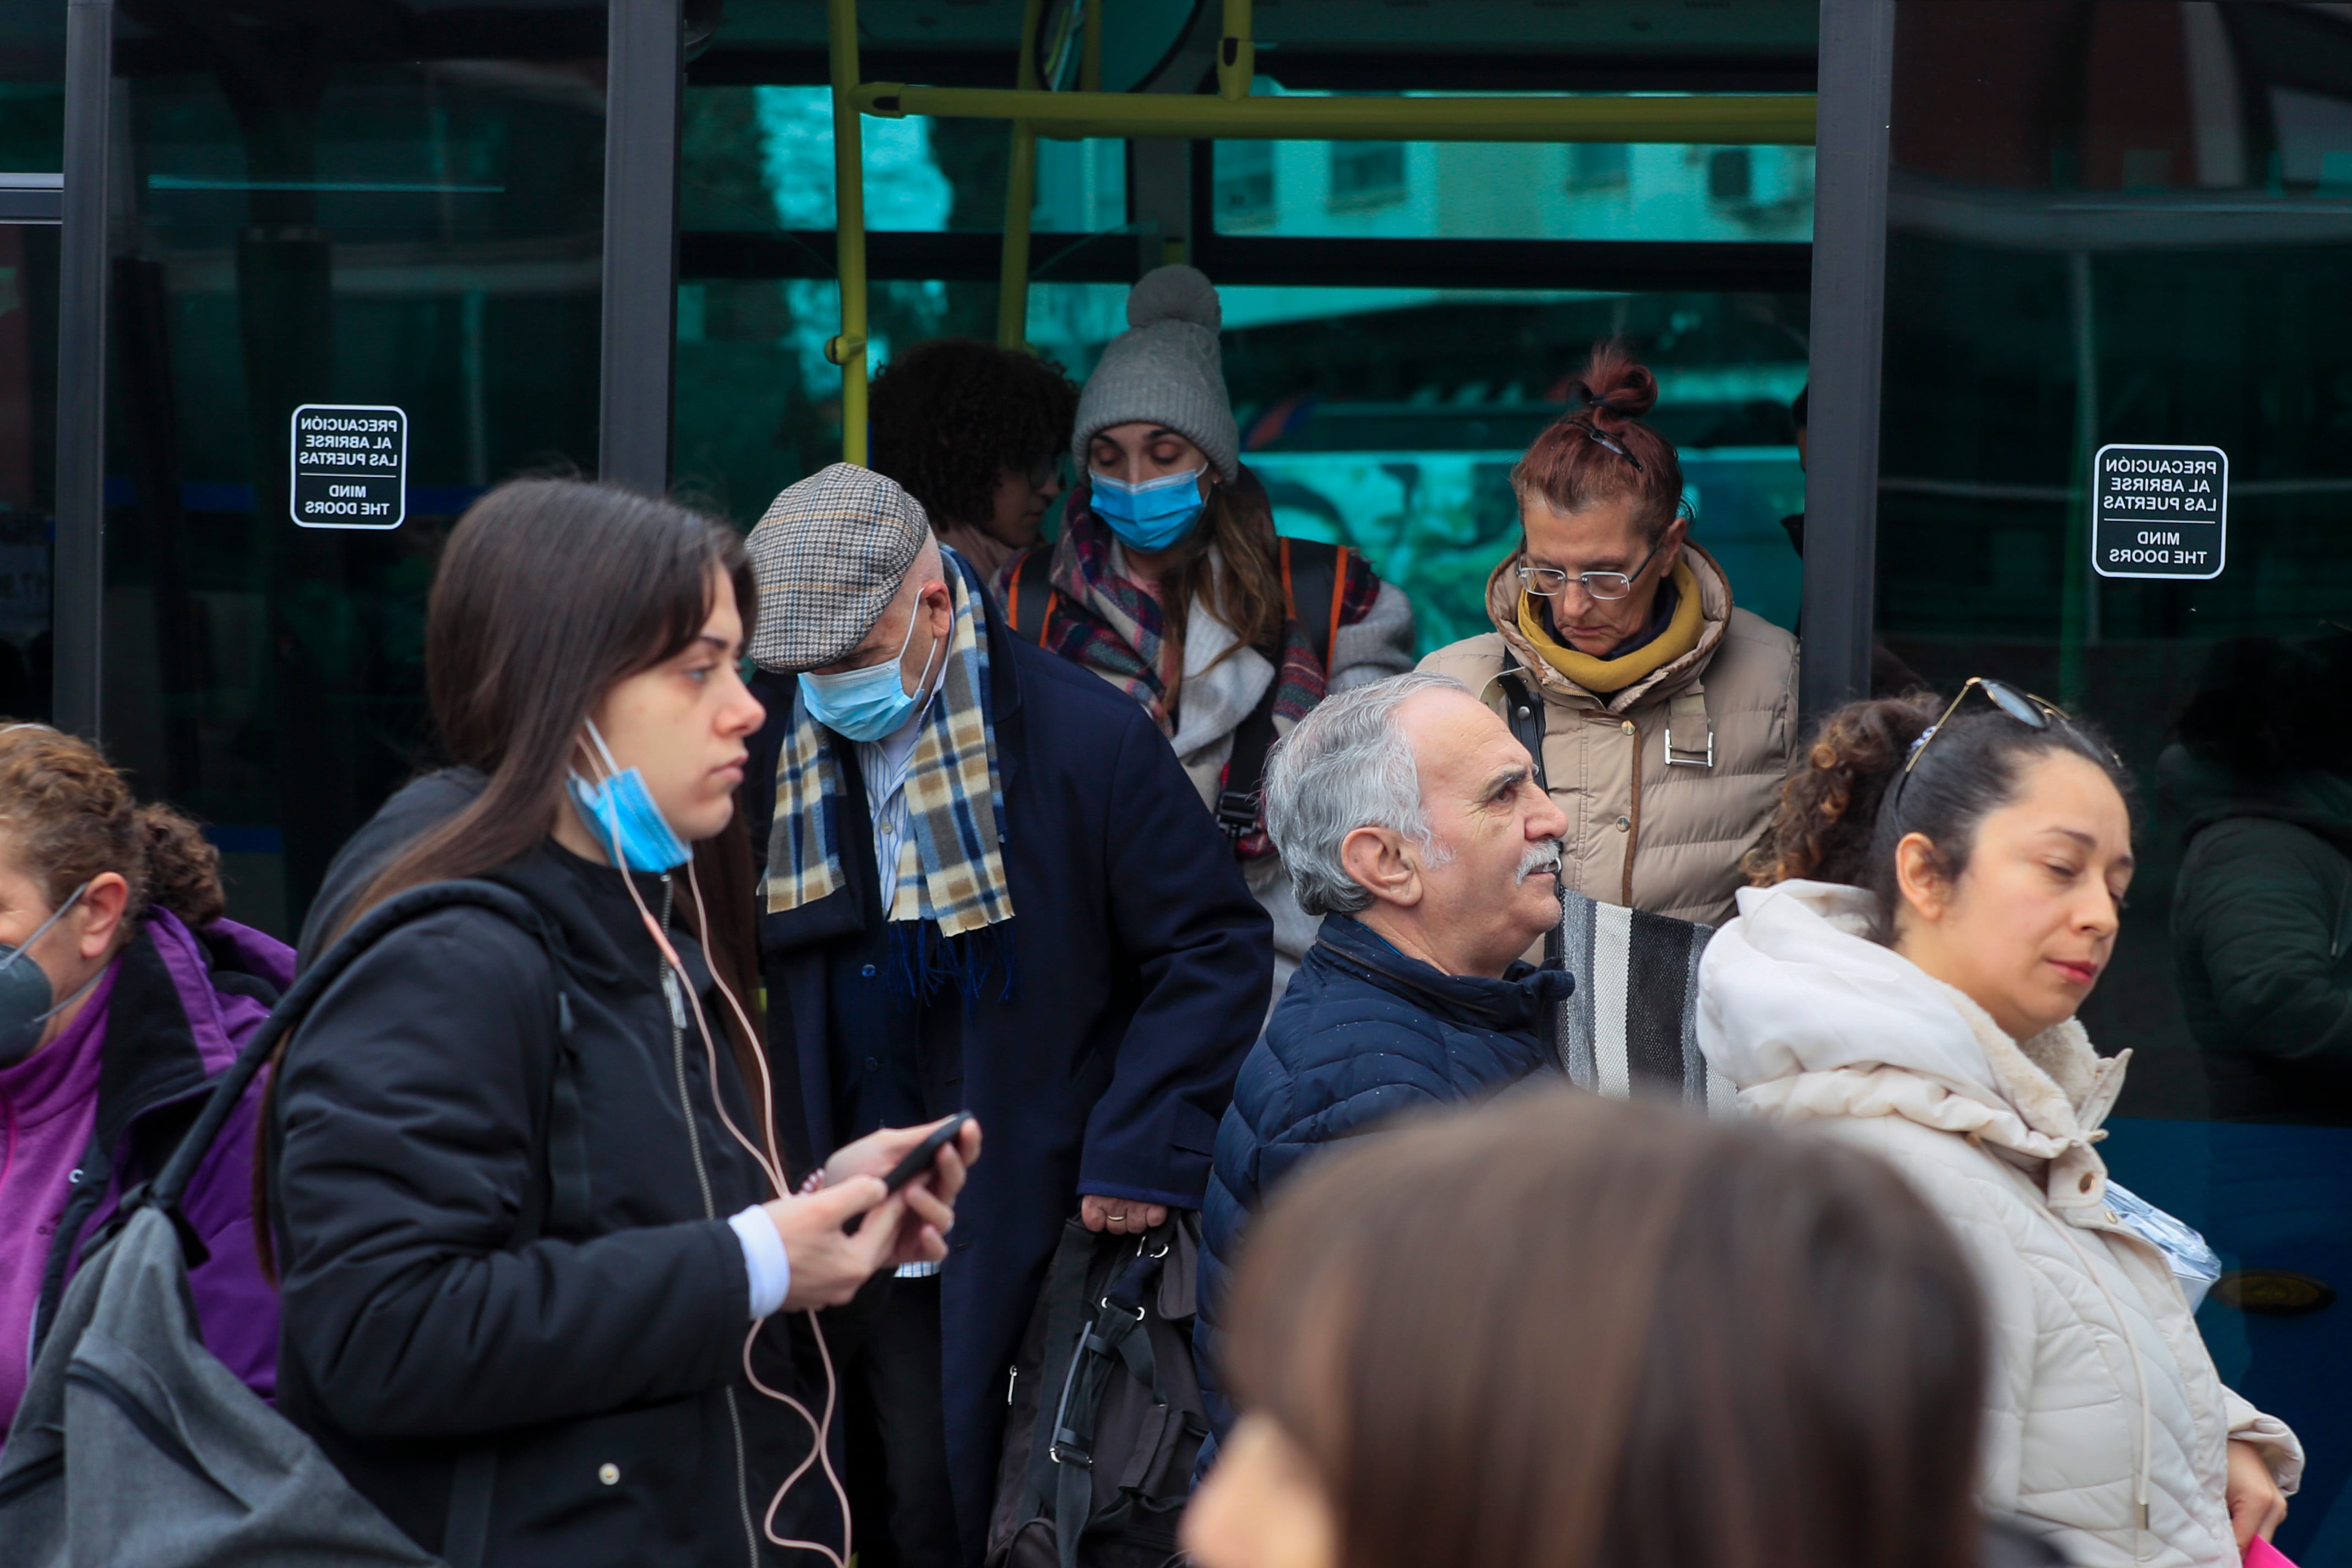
{"points": [[122, 993]]}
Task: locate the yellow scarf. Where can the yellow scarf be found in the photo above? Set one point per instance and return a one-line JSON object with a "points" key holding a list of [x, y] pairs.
{"points": [[1603, 676]]}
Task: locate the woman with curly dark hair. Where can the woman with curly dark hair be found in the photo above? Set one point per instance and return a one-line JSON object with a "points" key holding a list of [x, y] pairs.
{"points": [[975, 433]]}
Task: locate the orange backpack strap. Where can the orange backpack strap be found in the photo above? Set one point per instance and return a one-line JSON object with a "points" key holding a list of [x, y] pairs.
{"points": [[1029, 599], [1315, 581]]}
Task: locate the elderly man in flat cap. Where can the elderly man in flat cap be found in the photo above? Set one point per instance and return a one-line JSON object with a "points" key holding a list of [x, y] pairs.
{"points": [[989, 886]]}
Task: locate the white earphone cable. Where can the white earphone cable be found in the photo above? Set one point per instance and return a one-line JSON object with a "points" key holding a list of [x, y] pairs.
{"points": [[819, 1427]]}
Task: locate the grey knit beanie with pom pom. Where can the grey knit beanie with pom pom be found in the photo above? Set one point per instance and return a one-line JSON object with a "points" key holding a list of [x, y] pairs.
{"points": [[1165, 368]]}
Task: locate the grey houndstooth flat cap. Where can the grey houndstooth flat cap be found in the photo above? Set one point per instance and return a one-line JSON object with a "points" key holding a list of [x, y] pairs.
{"points": [[830, 554]]}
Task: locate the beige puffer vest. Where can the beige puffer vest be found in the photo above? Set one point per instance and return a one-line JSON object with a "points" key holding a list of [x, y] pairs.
{"points": [[1655, 825]]}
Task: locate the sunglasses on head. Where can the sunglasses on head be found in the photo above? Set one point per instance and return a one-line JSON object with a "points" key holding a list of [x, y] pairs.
{"points": [[2033, 712]]}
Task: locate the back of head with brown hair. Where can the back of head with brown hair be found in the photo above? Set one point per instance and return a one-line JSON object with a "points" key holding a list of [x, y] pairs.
{"points": [[1569, 471], [1569, 1332], [67, 816]]}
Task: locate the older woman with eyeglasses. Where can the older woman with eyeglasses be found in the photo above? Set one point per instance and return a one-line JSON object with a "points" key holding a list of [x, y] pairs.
{"points": [[1944, 888], [1663, 717]]}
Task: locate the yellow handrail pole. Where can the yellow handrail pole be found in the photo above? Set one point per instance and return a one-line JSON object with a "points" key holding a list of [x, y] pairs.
{"points": [[1012, 268], [1020, 196], [848, 350], [1236, 55], [1742, 120], [1090, 59]]}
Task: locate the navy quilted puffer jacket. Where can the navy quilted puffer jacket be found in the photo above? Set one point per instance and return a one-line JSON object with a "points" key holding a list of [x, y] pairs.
{"points": [[1362, 1033]]}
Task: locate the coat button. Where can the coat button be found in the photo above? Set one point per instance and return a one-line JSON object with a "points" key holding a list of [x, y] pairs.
{"points": [[1522, 712], [1627, 726], [609, 1473], [868, 970], [2087, 1179], [1624, 825], [73, 1178]]}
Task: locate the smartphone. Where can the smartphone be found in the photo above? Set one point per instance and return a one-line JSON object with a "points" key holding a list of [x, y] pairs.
{"points": [[921, 1158]]}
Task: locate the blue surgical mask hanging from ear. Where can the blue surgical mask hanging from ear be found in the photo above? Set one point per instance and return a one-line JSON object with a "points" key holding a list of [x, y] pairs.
{"points": [[1154, 514], [869, 703], [27, 1003], [620, 813]]}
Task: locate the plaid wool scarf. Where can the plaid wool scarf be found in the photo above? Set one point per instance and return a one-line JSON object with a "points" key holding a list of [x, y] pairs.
{"points": [[1113, 628], [952, 861]]}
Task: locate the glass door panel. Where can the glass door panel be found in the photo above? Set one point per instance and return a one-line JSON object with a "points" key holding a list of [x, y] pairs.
{"points": [[2128, 225], [395, 209]]}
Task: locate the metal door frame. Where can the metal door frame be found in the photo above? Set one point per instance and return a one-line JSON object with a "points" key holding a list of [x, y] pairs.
{"points": [[645, 92]]}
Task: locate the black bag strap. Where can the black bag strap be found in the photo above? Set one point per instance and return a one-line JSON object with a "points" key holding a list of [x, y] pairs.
{"points": [[1523, 711], [166, 1190], [1115, 1338]]}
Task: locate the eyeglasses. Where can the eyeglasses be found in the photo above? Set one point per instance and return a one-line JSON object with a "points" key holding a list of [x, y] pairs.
{"points": [[2033, 712], [1550, 581]]}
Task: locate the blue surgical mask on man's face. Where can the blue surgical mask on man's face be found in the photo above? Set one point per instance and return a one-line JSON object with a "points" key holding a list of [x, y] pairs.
{"points": [[869, 703], [1153, 514], [621, 815]]}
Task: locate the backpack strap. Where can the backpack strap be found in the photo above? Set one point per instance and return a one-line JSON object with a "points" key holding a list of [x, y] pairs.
{"points": [[1314, 579], [1524, 712], [166, 1190], [1029, 598]]}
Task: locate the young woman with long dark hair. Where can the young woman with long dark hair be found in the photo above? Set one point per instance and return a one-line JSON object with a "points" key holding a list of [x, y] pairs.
{"points": [[1943, 884], [530, 1217], [1169, 580], [1575, 1333]]}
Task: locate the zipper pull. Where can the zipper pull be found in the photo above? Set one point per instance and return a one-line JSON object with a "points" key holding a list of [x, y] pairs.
{"points": [[1012, 1376], [677, 1001]]}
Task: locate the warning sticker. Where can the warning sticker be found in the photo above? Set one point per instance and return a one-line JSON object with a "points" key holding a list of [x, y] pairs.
{"points": [[351, 466], [2159, 512]]}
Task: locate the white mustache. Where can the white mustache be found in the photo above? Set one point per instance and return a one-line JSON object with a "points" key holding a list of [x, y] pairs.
{"points": [[1544, 857]]}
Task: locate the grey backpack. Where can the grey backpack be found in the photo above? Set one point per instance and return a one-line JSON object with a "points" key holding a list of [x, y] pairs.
{"points": [[134, 1445]]}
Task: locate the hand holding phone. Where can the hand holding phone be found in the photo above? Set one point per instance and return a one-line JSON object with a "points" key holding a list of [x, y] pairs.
{"points": [[917, 1160]]}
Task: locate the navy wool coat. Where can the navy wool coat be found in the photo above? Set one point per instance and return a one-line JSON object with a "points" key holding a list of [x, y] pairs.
{"points": [[1142, 967], [1362, 1035]]}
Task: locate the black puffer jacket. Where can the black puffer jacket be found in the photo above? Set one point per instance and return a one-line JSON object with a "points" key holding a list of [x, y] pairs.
{"points": [[602, 1361]]}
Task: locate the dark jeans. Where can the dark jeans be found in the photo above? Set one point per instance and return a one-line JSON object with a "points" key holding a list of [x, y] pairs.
{"points": [[888, 1342]]}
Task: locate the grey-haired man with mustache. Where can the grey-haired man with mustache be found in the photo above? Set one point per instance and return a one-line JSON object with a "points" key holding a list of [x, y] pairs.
{"points": [[1411, 820]]}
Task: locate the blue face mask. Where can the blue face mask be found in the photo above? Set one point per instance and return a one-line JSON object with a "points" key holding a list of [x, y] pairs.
{"points": [[621, 814], [869, 703], [1154, 514]]}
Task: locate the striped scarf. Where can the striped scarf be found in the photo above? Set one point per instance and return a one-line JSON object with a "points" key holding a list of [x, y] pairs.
{"points": [[1120, 632], [952, 861]]}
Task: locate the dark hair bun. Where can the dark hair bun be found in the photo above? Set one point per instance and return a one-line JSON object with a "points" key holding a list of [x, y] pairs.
{"points": [[1820, 829], [1616, 387]]}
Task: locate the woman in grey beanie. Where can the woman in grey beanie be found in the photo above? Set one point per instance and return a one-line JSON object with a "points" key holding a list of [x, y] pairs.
{"points": [[1169, 580]]}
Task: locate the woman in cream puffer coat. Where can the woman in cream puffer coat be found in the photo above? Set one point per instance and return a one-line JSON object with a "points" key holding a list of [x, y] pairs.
{"points": [[2107, 1422]]}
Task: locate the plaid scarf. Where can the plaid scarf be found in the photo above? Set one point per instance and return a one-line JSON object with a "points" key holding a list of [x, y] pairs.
{"points": [[952, 861], [1112, 627]]}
